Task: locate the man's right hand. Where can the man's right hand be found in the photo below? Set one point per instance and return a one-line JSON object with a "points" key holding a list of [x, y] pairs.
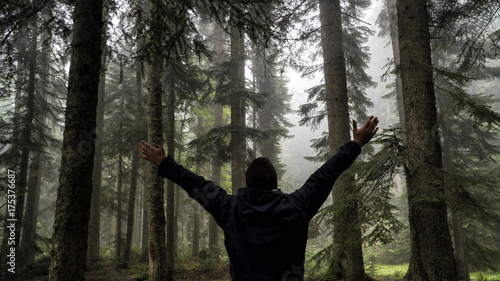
{"points": [[151, 153], [364, 134]]}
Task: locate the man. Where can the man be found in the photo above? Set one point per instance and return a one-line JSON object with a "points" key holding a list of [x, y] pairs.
{"points": [[265, 230]]}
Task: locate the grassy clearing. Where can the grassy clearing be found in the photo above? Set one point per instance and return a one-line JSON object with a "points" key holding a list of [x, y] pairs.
{"points": [[384, 272], [485, 276]]}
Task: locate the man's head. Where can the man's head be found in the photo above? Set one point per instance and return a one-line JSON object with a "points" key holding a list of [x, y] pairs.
{"points": [[261, 174]]}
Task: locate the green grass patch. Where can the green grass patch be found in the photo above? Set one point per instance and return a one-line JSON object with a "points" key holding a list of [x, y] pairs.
{"points": [[485, 276], [385, 271]]}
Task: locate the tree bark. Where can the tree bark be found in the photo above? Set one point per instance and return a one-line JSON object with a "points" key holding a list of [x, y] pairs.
{"points": [[16, 132], [432, 254], [26, 249], [238, 147], [75, 179], [393, 24], [144, 229], [26, 143], [119, 192], [135, 159], [170, 184], [348, 254], [456, 214], [95, 206], [156, 215], [196, 222], [213, 228]]}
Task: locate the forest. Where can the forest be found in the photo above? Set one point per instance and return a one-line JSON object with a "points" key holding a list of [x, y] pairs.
{"points": [[222, 82]]}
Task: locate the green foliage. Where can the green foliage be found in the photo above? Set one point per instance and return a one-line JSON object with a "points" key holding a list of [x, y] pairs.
{"points": [[140, 273], [488, 275], [480, 277]]}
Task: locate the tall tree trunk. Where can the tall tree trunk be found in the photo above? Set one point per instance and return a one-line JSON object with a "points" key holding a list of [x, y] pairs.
{"points": [[170, 184], [177, 191], [432, 253], [196, 207], [144, 230], [135, 158], [26, 249], [238, 148], [196, 223], [95, 206], [456, 214], [348, 254], [393, 24], [119, 195], [213, 228], [156, 215], [75, 180], [136, 232], [16, 132], [27, 145]]}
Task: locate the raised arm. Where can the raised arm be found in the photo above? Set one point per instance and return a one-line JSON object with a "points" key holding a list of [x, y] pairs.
{"points": [[319, 185], [210, 196]]}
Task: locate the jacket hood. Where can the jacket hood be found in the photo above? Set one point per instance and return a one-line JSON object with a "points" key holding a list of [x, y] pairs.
{"points": [[259, 201]]}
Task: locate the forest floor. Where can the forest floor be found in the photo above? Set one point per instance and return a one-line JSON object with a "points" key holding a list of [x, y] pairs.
{"points": [[208, 271], [186, 271]]}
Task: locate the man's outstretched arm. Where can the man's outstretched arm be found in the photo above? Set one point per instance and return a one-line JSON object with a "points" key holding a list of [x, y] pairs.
{"points": [[209, 195], [319, 185]]}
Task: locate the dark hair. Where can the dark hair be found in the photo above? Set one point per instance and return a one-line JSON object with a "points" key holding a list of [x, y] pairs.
{"points": [[261, 174]]}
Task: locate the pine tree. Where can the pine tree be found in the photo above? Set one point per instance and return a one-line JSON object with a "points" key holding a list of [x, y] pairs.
{"points": [[237, 81], [134, 177], [95, 206], [347, 58], [156, 216], [432, 254], [348, 256], [74, 193]]}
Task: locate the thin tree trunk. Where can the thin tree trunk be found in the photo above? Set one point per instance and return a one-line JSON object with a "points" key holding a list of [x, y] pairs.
{"points": [[136, 235], [22, 175], [195, 241], [348, 254], [456, 214], [26, 254], [156, 215], [459, 240], [75, 179], [135, 159], [144, 229], [196, 223], [213, 228], [16, 121], [238, 148], [170, 184], [432, 253], [119, 187], [391, 8], [178, 192]]}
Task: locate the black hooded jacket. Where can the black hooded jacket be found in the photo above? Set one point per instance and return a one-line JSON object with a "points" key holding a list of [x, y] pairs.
{"points": [[265, 231]]}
